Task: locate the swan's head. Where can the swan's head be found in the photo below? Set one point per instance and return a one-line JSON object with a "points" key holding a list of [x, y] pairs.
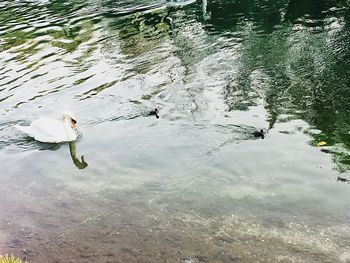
{"points": [[70, 116]]}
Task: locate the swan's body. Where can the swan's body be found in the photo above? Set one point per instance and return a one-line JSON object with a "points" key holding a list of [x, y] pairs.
{"points": [[52, 130]]}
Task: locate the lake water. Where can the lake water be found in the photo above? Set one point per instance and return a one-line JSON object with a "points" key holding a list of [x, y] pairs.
{"points": [[194, 185]]}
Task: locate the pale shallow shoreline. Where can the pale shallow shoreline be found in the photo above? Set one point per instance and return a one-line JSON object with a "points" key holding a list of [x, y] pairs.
{"points": [[124, 227]]}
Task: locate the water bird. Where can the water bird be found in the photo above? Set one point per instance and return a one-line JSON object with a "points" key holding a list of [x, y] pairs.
{"points": [[259, 134], [341, 179], [53, 130], [154, 112]]}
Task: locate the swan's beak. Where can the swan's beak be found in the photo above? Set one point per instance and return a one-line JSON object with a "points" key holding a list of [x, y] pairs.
{"points": [[74, 124]]}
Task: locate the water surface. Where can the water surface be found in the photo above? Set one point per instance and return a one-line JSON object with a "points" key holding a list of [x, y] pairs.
{"points": [[194, 185]]}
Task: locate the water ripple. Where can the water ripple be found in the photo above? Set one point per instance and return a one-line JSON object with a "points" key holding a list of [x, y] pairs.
{"points": [[217, 71]]}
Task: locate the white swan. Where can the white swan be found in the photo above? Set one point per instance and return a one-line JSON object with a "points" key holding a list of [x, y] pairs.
{"points": [[52, 130]]}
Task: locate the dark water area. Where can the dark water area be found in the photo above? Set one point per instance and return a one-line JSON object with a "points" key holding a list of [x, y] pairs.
{"points": [[195, 184]]}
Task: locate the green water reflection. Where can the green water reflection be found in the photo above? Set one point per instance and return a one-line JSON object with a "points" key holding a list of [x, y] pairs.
{"points": [[302, 51]]}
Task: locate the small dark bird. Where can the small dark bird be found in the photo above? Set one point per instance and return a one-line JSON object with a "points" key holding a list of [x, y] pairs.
{"points": [[154, 112], [260, 134], [341, 179]]}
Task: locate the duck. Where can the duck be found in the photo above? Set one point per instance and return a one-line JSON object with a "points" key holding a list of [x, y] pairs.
{"points": [[341, 179], [154, 112], [53, 130], [260, 134]]}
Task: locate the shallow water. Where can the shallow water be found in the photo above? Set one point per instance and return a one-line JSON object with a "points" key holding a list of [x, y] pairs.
{"points": [[194, 185]]}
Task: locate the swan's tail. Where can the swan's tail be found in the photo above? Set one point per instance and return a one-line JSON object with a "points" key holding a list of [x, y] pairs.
{"points": [[26, 129]]}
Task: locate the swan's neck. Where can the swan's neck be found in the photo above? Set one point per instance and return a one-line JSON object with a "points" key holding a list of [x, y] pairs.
{"points": [[70, 133]]}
